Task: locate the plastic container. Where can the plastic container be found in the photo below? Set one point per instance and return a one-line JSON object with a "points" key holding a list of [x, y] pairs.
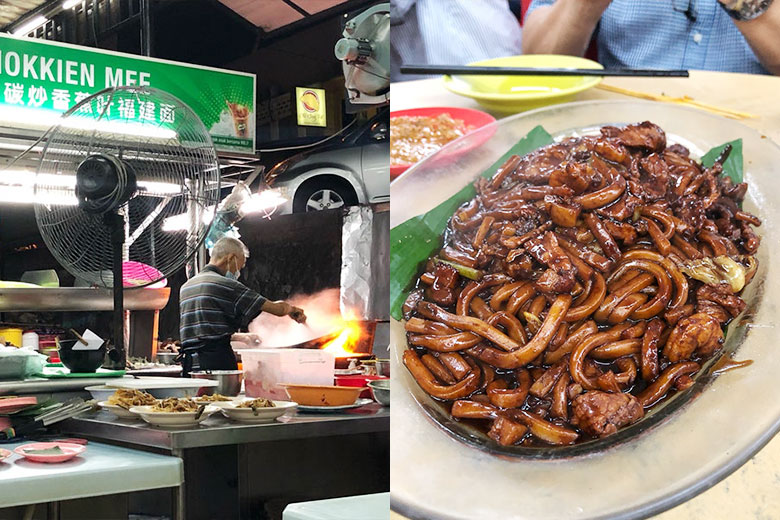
{"points": [[266, 369], [11, 335], [19, 363], [359, 380], [30, 340]]}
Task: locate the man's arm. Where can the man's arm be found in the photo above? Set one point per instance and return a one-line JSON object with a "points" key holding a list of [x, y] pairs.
{"points": [[282, 308], [564, 27], [763, 35]]}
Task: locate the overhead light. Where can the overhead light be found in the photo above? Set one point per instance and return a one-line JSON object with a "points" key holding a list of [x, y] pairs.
{"points": [[27, 195], [181, 222], [26, 27], [46, 118], [27, 178], [68, 4]]}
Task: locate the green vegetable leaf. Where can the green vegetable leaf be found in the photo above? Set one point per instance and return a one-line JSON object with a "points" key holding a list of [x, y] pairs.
{"points": [[413, 241], [48, 451], [731, 166]]}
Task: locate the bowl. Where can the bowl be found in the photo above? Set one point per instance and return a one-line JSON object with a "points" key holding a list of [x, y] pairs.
{"points": [[383, 367], [322, 395], [81, 361], [172, 419], [167, 358], [380, 390], [100, 392], [259, 415], [740, 405], [229, 381], [511, 94], [469, 116]]}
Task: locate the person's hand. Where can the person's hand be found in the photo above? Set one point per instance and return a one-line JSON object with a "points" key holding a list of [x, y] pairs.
{"points": [[248, 338], [297, 314]]}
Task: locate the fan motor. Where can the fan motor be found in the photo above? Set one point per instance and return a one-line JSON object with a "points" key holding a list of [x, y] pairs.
{"points": [[104, 183]]}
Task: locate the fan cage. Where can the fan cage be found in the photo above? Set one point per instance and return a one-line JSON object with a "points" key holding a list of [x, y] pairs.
{"points": [[178, 177]]}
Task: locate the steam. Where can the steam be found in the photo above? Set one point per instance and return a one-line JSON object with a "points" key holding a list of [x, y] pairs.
{"points": [[323, 317]]}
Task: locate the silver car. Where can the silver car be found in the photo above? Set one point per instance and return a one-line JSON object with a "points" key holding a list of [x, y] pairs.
{"points": [[353, 170]]}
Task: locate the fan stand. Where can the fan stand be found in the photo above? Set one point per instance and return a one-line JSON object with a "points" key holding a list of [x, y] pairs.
{"points": [[117, 356]]}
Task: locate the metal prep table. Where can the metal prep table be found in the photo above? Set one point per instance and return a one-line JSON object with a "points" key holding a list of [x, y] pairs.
{"points": [[43, 386], [234, 470], [101, 470]]}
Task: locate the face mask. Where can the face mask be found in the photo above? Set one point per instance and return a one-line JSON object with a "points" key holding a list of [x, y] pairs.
{"points": [[233, 275]]}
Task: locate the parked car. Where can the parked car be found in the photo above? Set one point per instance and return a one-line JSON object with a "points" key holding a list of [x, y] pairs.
{"points": [[353, 170]]}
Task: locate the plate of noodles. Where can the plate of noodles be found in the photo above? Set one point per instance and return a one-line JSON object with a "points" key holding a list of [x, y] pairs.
{"points": [[175, 412], [122, 400], [591, 336], [259, 410]]}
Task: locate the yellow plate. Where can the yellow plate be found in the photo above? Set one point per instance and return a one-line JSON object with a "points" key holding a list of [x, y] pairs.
{"points": [[511, 94]]}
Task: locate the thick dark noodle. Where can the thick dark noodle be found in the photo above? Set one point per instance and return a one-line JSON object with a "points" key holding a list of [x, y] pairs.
{"points": [[583, 284]]}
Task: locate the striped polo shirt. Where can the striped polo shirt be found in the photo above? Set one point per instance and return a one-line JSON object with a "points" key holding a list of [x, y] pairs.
{"points": [[213, 307]]}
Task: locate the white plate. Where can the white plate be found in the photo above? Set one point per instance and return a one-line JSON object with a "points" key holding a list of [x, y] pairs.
{"points": [[122, 413], [263, 415], [172, 419], [681, 448], [164, 387], [356, 404]]}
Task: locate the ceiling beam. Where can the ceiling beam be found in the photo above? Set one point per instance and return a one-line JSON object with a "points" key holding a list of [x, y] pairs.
{"points": [[43, 9], [297, 7], [265, 38]]}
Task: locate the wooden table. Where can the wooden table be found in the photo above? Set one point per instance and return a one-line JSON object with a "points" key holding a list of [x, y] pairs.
{"points": [[755, 94], [753, 491]]}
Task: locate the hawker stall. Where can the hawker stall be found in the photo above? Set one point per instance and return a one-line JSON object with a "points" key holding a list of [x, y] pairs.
{"points": [[140, 181]]}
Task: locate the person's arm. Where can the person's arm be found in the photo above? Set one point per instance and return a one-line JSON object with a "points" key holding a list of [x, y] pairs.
{"points": [[763, 34], [282, 308], [564, 27]]}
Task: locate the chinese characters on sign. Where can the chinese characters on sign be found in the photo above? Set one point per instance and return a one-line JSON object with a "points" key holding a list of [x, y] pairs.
{"points": [[144, 111], [39, 80]]}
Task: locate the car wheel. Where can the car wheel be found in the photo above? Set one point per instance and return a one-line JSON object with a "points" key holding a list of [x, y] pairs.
{"points": [[319, 195]]}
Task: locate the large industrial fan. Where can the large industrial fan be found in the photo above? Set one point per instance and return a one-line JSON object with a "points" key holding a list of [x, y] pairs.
{"points": [[119, 168]]}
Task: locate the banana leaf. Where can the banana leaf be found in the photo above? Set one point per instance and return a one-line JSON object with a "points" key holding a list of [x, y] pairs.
{"points": [[731, 166], [414, 241]]}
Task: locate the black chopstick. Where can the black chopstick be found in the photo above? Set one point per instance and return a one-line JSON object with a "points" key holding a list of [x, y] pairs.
{"points": [[530, 71]]}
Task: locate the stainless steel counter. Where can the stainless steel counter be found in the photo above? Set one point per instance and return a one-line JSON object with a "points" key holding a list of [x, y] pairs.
{"points": [[218, 431], [40, 385], [255, 470], [80, 299]]}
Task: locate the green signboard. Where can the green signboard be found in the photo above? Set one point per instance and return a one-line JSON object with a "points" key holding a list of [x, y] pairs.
{"points": [[40, 79]]}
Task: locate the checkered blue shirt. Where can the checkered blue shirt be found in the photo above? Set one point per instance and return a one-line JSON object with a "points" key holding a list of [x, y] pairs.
{"points": [[651, 34]]}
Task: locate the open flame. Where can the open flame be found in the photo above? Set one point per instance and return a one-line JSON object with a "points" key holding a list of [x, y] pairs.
{"points": [[346, 343]]}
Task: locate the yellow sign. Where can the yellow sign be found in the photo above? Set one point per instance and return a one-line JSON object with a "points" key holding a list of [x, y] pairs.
{"points": [[310, 103]]}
